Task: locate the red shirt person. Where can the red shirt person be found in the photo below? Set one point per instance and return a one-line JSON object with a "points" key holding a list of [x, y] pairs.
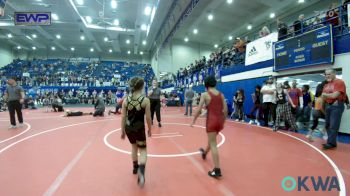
{"points": [[334, 94]]}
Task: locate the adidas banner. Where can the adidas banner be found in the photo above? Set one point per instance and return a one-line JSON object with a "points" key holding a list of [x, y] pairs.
{"points": [[261, 49]]}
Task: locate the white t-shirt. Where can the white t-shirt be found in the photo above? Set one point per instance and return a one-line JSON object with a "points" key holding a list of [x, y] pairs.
{"points": [[269, 97]]}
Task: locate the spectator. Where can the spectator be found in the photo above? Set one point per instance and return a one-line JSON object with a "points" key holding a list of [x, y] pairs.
{"points": [[299, 25], [256, 112], [332, 15], [264, 32], [269, 101], [334, 94], [318, 111], [283, 108], [282, 30], [345, 8], [305, 111], [295, 94]]}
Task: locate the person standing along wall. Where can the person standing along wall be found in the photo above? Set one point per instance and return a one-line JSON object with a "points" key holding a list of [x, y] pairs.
{"points": [[14, 94], [334, 94]]}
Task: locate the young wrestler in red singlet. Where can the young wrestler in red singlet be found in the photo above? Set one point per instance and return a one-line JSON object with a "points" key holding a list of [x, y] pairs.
{"points": [[217, 112]]}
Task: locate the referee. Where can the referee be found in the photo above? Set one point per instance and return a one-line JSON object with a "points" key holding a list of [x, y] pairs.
{"points": [[14, 94], [154, 96]]}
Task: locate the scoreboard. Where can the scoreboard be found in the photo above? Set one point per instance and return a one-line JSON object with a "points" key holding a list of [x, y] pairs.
{"points": [[311, 48]]}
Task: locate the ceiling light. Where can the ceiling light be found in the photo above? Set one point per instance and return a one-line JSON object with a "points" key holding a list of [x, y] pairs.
{"points": [[106, 39], [58, 36], [144, 42], [88, 19], [114, 4], [72, 48], [82, 37], [195, 31], [129, 52], [53, 48], [80, 2], [229, 1], [301, 1], [110, 50], [210, 17], [230, 37], [216, 46], [141, 53], [27, 36], [249, 27], [34, 35], [91, 49], [128, 41], [9, 35], [116, 22], [272, 15], [143, 27], [18, 47], [54, 16], [148, 10], [186, 39], [34, 48]]}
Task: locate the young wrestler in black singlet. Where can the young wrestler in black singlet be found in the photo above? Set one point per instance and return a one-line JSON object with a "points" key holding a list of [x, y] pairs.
{"points": [[135, 107]]}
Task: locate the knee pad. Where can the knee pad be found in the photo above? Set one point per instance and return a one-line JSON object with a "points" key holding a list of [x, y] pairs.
{"points": [[141, 144]]}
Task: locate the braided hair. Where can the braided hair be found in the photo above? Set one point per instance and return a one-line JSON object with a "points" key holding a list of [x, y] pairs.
{"points": [[136, 84]]}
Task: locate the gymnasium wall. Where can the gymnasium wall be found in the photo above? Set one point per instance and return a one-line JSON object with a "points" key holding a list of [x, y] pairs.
{"points": [[6, 55], [179, 54]]}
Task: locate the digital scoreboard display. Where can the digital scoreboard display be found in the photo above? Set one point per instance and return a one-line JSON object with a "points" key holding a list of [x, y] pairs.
{"points": [[312, 48]]}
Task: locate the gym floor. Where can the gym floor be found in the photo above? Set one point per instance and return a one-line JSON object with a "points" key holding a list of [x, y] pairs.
{"points": [[55, 155]]}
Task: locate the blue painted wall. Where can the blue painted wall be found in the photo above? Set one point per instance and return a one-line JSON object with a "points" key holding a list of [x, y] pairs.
{"points": [[229, 88]]}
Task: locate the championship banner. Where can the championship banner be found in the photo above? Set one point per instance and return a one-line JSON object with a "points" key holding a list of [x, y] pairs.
{"points": [[261, 49]]}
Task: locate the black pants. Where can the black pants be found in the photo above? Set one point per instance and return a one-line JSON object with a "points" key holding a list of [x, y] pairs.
{"points": [[98, 113], [155, 107], [269, 108], [317, 114], [58, 107], [15, 106]]}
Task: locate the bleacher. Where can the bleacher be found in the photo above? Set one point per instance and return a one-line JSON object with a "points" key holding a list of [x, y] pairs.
{"points": [[234, 62], [67, 73]]}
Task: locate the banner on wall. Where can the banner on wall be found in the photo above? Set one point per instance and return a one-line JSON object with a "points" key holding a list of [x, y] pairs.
{"points": [[261, 49]]}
